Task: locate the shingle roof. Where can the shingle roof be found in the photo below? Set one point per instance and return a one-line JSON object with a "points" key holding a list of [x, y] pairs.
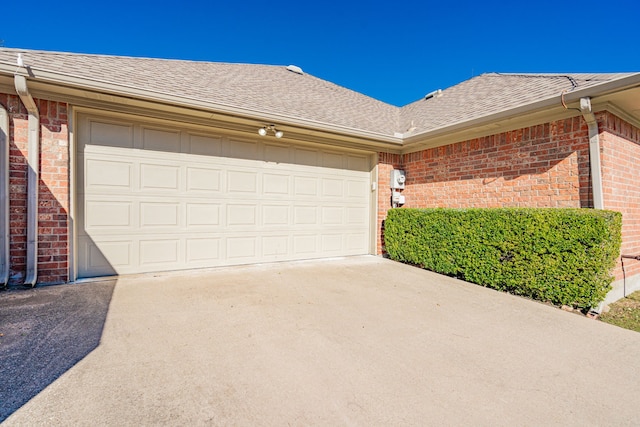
{"points": [[261, 88], [269, 89], [493, 93]]}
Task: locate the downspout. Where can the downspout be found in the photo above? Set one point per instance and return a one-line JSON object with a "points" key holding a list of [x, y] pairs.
{"points": [[594, 152], [33, 161], [4, 197]]}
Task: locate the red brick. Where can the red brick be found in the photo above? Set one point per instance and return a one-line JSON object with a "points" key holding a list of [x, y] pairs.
{"points": [[53, 191]]}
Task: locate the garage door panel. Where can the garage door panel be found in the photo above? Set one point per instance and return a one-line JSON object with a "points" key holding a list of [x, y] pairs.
{"points": [[110, 134], [332, 187], [275, 215], [159, 251], [356, 241], [305, 215], [241, 149], [114, 254], [103, 258], [357, 163], [108, 214], [171, 198], [241, 247], [275, 247], [239, 181], [242, 215], [203, 180], [159, 177], [108, 174], [203, 215], [357, 190], [161, 140], [332, 243], [332, 215], [333, 160], [275, 184], [203, 250], [305, 157], [305, 244], [277, 153], [305, 186], [356, 215], [159, 214], [205, 145]]}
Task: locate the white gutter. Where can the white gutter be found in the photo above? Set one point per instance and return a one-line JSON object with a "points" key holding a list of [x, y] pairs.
{"points": [[33, 161], [594, 152], [4, 197]]}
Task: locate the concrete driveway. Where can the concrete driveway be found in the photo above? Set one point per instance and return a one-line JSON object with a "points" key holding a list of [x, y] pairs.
{"points": [[353, 341]]}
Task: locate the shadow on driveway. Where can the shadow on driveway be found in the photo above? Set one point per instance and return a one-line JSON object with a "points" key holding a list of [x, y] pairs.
{"points": [[43, 333], [346, 341]]}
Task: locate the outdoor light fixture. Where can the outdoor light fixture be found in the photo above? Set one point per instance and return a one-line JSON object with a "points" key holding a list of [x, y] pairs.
{"points": [[270, 128]]}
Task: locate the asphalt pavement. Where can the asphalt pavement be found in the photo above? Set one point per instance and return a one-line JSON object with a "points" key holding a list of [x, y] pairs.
{"points": [[43, 333]]}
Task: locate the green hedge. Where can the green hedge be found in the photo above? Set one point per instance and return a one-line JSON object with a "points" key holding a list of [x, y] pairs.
{"points": [[562, 256]]}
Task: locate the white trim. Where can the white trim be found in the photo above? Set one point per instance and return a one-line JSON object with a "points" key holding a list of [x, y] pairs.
{"points": [[373, 210], [72, 259]]}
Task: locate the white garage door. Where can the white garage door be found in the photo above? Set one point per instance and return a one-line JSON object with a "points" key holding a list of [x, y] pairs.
{"points": [[155, 197]]}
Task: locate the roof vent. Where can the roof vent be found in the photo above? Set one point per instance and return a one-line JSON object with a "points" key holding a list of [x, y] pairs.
{"points": [[434, 94], [295, 69]]}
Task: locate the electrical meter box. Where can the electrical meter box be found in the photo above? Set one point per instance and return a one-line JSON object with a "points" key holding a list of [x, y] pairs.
{"points": [[398, 178]]}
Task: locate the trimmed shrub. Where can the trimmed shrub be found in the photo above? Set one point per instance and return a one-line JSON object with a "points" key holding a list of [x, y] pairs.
{"points": [[562, 256]]}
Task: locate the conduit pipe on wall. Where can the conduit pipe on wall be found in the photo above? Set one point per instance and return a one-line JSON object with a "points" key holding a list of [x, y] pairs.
{"points": [[4, 197], [594, 152], [33, 161]]}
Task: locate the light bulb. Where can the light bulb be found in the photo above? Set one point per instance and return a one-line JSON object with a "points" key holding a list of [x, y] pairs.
{"points": [[262, 131], [279, 134]]}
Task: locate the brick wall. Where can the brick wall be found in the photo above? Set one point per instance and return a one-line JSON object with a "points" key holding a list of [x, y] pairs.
{"points": [[53, 250], [386, 163], [541, 166], [620, 148]]}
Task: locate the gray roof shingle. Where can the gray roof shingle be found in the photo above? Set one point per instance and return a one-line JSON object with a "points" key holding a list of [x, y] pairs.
{"points": [[269, 89], [493, 93], [261, 88]]}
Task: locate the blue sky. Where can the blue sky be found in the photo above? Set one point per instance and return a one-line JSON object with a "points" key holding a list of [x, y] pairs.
{"points": [[394, 51]]}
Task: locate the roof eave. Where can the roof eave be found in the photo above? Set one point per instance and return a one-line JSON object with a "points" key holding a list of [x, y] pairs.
{"points": [[615, 85], [548, 107], [260, 116]]}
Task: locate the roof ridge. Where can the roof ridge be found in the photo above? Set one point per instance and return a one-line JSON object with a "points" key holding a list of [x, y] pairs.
{"points": [[191, 61], [537, 75], [132, 57], [592, 75]]}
